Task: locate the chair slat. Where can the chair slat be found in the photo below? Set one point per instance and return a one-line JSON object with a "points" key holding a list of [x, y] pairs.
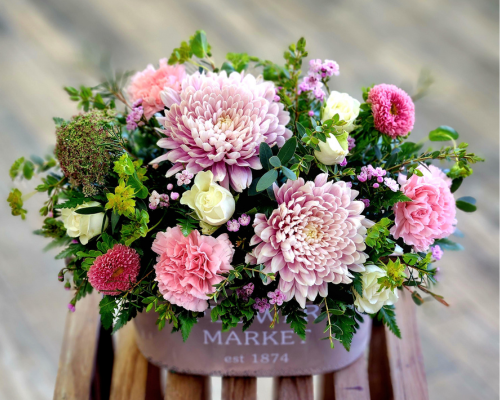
{"points": [[235, 388], [350, 383], [187, 387], [293, 388], [405, 356], [130, 368], [76, 363]]}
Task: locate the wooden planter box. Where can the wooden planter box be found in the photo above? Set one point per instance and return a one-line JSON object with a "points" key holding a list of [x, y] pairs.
{"points": [[89, 367]]}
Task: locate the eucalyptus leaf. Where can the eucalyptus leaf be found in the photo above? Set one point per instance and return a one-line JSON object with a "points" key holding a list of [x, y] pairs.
{"points": [[267, 180], [289, 173], [90, 210], [265, 153], [442, 134], [288, 150]]}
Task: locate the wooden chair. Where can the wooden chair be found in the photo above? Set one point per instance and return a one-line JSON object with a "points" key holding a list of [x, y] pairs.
{"points": [[90, 369]]}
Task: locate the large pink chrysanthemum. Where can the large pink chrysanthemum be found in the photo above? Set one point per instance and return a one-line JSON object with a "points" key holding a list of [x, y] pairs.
{"points": [[431, 213], [315, 237], [217, 123], [393, 110], [115, 271], [148, 84], [188, 267]]}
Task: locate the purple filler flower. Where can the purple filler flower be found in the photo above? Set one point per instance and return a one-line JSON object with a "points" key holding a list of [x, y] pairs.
{"points": [[71, 307], [245, 292], [437, 252], [261, 305], [277, 297]]}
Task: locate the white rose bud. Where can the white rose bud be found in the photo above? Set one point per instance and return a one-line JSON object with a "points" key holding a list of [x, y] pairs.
{"points": [[84, 226], [373, 299], [332, 152], [212, 203], [345, 106]]}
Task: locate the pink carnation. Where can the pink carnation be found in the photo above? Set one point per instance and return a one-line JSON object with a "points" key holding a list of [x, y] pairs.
{"points": [[314, 238], [393, 110], [217, 123], [116, 271], [188, 267], [148, 84], [431, 213]]}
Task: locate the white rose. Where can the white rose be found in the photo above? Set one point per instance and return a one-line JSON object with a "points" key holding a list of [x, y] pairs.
{"points": [[80, 225], [332, 152], [345, 106], [212, 203], [373, 299]]}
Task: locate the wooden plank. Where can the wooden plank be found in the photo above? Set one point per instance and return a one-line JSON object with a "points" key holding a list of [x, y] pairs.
{"points": [[235, 388], [76, 363], [187, 387], [350, 383], [130, 369], [293, 388], [378, 365], [405, 356]]}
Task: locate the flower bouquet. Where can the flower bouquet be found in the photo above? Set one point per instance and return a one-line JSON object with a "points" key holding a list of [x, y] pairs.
{"points": [[197, 192]]}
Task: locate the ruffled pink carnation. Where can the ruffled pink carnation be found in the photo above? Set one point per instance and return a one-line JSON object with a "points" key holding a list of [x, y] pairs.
{"points": [[431, 213], [314, 238], [116, 271], [217, 123], [148, 84], [393, 110], [188, 267]]}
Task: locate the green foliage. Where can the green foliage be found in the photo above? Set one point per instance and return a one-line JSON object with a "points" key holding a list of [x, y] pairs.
{"points": [[85, 98], [395, 275], [16, 168], [15, 201], [296, 317], [137, 228], [52, 228], [341, 321], [467, 204], [237, 62], [186, 323], [388, 316], [197, 46], [232, 310], [442, 134], [187, 225], [378, 239], [107, 308]]}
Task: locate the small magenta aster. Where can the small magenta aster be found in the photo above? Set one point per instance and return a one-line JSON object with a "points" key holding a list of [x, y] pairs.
{"points": [[217, 123], [393, 110], [245, 292], [233, 225], [244, 220]]}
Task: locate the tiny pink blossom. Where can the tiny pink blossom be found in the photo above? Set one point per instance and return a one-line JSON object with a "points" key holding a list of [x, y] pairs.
{"points": [[343, 163], [391, 184], [74, 241], [366, 202], [351, 143], [376, 185], [277, 297], [244, 220], [233, 225], [184, 178], [71, 307], [310, 113], [170, 186], [245, 292], [174, 195]]}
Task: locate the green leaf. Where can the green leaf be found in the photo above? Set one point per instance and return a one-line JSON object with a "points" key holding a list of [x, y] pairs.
{"points": [[287, 151], [265, 153], [107, 308], [388, 317], [16, 167], [141, 191], [466, 204], [90, 210], [275, 161], [115, 217], [447, 244], [199, 45], [28, 169], [267, 180], [71, 250], [300, 129], [417, 299], [443, 134], [289, 173], [455, 184], [187, 322]]}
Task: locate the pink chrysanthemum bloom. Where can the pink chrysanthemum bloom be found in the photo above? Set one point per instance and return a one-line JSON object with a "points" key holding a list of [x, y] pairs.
{"points": [[393, 110], [314, 238], [116, 271], [188, 267], [217, 123], [148, 84], [431, 213]]}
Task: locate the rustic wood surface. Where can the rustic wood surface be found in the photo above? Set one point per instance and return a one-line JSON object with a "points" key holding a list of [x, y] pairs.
{"points": [[234, 388], [293, 388], [350, 383], [46, 44], [77, 360], [187, 387]]}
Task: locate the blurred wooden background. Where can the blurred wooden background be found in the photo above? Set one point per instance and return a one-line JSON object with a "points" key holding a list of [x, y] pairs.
{"points": [[45, 44]]}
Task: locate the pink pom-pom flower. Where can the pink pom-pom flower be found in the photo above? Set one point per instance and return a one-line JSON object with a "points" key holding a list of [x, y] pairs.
{"points": [[217, 123], [187, 268], [314, 237], [393, 110], [431, 213], [148, 84], [116, 271]]}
